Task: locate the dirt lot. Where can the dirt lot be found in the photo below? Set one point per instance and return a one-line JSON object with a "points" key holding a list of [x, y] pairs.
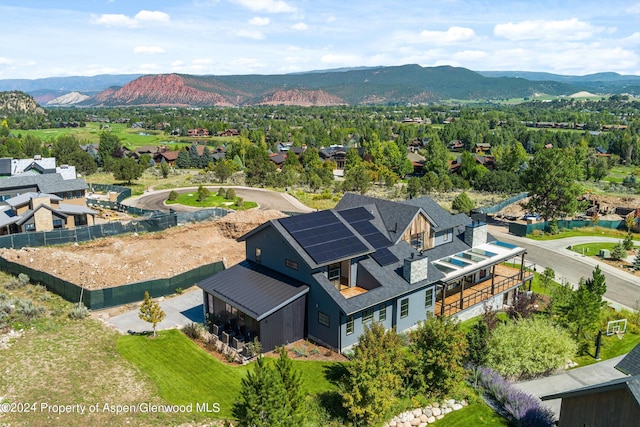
{"points": [[126, 259]]}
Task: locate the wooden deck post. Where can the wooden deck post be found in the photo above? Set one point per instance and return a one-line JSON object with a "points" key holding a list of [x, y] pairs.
{"points": [[522, 267], [444, 297], [462, 293], [493, 279]]}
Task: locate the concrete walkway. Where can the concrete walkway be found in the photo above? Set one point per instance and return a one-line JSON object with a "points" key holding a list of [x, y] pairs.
{"points": [[569, 380], [179, 311]]}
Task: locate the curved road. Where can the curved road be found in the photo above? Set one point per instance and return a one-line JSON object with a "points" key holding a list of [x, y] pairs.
{"points": [[623, 289], [266, 199]]}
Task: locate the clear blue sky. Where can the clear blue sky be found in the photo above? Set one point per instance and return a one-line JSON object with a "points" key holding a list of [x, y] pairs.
{"points": [[46, 38]]}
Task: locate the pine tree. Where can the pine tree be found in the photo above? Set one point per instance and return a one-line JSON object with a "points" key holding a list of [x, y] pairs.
{"points": [[636, 262], [619, 252], [194, 156], [151, 312], [293, 394], [261, 402], [206, 158], [183, 161], [597, 283]]}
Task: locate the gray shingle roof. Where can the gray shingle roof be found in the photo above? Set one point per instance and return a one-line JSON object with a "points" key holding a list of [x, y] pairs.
{"points": [[630, 364], [441, 218], [49, 183], [263, 290]]}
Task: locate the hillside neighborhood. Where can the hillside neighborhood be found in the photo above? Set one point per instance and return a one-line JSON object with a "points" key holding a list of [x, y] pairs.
{"points": [[383, 265]]}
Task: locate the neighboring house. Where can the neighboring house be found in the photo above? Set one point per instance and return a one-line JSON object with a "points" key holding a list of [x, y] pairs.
{"points": [[278, 158], [41, 212], [334, 153], [198, 132], [417, 161], [326, 275], [614, 403], [72, 191], [482, 147], [169, 156], [37, 165], [228, 132], [630, 364]]}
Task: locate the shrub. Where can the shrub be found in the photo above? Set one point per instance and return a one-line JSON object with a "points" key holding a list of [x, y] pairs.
{"points": [[618, 253], [222, 192], [78, 311], [193, 330], [529, 347], [523, 408], [27, 309], [628, 241], [173, 196], [23, 279], [231, 194]]}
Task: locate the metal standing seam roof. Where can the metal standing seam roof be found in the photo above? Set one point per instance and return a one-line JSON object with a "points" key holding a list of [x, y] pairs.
{"points": [[48, 183], [253, 289]]}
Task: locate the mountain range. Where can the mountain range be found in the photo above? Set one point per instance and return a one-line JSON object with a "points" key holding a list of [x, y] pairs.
{"points": [[352, 86]]}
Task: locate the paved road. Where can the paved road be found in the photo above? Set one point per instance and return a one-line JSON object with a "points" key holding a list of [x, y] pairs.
{"points": [[569, 380], [623, 289], [266, 199]]}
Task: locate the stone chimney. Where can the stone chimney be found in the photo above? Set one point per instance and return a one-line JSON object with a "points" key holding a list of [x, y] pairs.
{"points": [[475, 234], [415, 268]]}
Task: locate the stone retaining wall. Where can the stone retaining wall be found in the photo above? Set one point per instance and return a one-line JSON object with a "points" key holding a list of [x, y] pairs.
{"points": [[420, 417]]}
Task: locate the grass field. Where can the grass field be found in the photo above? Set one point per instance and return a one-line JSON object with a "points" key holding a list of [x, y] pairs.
{"points": [[591, 249], [198, 376], [584, 231], [213, 201]]}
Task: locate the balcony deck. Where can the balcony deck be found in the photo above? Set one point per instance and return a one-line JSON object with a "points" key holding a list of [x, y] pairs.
{"points": [[505, 279], [349, 292]]}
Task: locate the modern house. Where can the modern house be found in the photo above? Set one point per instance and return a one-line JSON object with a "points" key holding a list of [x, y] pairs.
{"points": [[37, 165], [326, 275], [33, 202]]}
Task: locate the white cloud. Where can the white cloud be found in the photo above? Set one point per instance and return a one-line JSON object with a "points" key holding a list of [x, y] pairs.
{"points": [[259, 21], [301, 26], [452, 36], [120, 20], [248, 63], [6, 61], [564, 30], [115, 20], [250, 34], [269, 6], [152, 16], [203, 61], [148, 49]]}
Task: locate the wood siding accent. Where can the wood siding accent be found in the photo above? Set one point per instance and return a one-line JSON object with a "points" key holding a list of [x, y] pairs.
{"points": [[604, 409], [420, 224]]}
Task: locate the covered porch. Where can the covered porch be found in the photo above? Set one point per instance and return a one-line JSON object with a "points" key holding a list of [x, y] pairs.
{"points": [[454, 297]]}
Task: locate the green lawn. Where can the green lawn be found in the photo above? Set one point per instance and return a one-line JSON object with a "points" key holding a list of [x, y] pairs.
{"points": [[611, 347], [591, 249], [476, 414], [584, 231], [184, 373], [213, 201]]}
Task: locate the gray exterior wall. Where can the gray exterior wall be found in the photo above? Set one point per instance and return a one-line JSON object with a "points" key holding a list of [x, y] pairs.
{"points": [[319, 301], [442, 237], [417, 309], [346, 341], [274, 253], [285, 326]]}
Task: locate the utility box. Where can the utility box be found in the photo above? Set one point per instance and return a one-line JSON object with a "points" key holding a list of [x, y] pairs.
{"points": [[605, 253]]}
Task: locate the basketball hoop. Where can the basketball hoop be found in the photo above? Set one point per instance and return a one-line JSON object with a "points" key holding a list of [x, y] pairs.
{"points": [[619, 334]]}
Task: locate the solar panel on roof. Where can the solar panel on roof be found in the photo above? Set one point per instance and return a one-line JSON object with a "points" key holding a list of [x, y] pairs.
{"points": [[384, 257], [323, 236], [356, 214]]}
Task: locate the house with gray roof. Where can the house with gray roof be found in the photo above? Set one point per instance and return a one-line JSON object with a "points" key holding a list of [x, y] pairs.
{"points": [[325, 275], [41, 212]]}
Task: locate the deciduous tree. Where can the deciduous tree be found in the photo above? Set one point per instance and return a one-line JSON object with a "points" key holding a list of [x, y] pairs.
{"points": [[151, 312]]}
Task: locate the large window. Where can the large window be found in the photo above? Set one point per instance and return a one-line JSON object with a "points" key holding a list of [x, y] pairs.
{"points": [[428, 298], [258, 255], [367, 315], [57, 223], [334, 272], [382, 313], [404, 307], [349, 325], [324, 319], [417, 240]]}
